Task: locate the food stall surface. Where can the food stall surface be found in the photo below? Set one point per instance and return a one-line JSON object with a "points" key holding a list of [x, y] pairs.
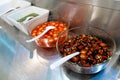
{"points": [[17, 63], [26, 61]]}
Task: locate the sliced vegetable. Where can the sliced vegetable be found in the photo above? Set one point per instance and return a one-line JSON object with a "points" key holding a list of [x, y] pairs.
{"points": [[30, 15]]}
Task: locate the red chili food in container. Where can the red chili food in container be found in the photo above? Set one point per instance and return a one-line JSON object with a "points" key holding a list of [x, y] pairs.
{"points": [[49, 39]]}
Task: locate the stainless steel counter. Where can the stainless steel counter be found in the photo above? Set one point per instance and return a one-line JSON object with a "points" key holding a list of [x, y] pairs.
{"points": [[22, 61], [17, 64]]}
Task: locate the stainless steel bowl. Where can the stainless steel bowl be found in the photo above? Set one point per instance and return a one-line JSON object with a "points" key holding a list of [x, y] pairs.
{"points": [[88, 31]]}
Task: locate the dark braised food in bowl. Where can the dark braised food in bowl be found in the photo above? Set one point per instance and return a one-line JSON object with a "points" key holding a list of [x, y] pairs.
{"points": [[92, 50], [95, 45]]}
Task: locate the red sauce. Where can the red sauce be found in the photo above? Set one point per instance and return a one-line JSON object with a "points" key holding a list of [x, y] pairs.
{"points": [[50, 38]]}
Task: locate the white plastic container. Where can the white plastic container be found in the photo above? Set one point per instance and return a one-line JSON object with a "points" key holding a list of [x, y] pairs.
{"points": [[11, 7], [4, 6], [42, 17]]}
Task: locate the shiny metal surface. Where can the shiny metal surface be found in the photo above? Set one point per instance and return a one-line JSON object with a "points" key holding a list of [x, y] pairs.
{"points": [[22, 61], [17, 64], [6, 48], [49, 4]]}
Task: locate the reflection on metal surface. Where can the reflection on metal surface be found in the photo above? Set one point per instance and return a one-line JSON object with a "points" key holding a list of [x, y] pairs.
{"points": [[64, 77], [7, 41], [118, 76], [100, 17], [38, 57], [7, 52], [25, 68], [106, 74], [0, 27]]}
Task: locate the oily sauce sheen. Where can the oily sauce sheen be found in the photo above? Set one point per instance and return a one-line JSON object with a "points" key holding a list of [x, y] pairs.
{"points": [[92, 50]]}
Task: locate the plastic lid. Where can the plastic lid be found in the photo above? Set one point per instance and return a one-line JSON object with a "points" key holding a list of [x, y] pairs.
{"points": [[2, 2], [5, 5]]}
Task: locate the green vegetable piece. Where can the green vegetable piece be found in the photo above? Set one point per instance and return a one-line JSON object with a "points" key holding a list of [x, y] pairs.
{"points": [[24, 18]]}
